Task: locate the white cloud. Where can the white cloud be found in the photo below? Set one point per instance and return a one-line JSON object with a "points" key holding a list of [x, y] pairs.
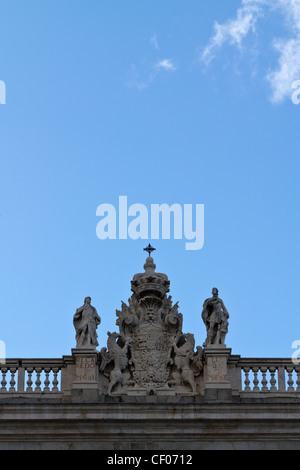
{"points": [[235, 30], [288, 69], [154, 41], [143, 76], [165, 64]]}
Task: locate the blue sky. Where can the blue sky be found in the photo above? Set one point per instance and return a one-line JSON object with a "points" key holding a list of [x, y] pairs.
{"points": [[163, 102]]}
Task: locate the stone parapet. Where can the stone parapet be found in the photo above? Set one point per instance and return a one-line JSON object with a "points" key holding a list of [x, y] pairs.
{"points": [[153, 426]]}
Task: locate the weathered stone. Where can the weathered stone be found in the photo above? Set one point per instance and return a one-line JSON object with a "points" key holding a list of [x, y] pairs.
{"points": [[150, 355], [86, 381], [86, 321], [215, 317]]}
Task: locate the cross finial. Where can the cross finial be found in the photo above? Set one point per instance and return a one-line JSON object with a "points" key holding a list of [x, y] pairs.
{"points": [[149, 249]]}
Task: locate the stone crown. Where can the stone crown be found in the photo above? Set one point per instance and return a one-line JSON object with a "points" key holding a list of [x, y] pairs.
{"points": [[150, 283]]}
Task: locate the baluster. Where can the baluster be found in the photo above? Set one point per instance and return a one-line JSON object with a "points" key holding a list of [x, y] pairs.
{"points": [[273, 380], [38, 379], [255, 380], [3, 381], [29, 381], [247, 380], [12, 382], [290, 381], [297, 368], [55, 381], [264, 381], [47, 381]]}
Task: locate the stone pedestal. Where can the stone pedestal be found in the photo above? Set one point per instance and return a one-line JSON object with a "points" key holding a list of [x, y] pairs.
{"points": [[85, 386], [217, 385]]}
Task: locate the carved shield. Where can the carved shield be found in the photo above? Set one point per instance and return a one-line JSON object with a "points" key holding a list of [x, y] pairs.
{"points": [[151, 349]]}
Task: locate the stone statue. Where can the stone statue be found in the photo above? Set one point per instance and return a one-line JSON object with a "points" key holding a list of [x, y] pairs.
{"points": [[118, 354], [215, 317], [183, 357], [86, 321]]}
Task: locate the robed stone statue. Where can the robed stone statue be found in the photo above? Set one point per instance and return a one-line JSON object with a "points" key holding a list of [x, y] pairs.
{"points": [[86, 321]]}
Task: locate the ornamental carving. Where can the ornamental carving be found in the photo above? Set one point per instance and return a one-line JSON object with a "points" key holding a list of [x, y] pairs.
{"points": [[150, 354]]}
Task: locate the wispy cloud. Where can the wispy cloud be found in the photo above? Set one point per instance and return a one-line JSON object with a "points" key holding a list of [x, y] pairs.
{"points": [[141, 76], [154, 41], [288, 69], [165, 64], [235, 30]]}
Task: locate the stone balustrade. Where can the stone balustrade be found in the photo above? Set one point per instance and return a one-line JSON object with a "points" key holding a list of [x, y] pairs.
{"points": [[247, 377], [269, 375], [24, 376]]}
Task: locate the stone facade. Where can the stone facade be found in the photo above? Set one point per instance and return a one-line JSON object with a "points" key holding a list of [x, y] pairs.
{"points": [[150, 387]]}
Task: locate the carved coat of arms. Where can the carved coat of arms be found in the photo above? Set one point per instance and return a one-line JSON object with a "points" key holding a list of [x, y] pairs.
{"points": [[156, 355]]}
